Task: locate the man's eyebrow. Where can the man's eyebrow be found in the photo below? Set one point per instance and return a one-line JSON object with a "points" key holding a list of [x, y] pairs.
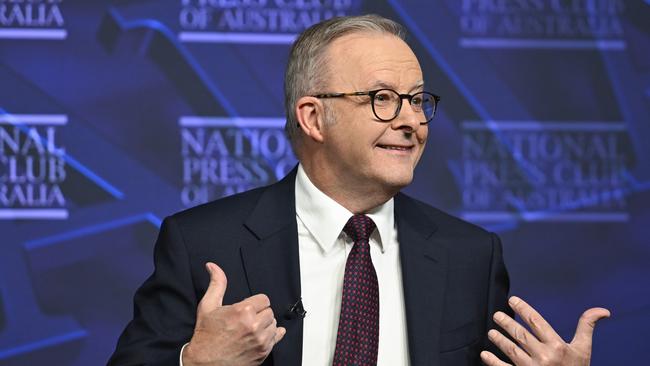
{"points": [[419, 85], [379, 84]]}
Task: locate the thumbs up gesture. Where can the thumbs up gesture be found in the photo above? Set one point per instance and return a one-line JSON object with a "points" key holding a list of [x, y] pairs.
{"points": [[545, 347], [240, 334]]}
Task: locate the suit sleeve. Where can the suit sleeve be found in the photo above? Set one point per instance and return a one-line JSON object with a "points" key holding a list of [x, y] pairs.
{"points": [[497, 300], [164, 310]]}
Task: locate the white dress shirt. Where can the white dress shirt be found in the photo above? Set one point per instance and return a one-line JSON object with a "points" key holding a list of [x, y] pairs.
{"points": [[323, 252]]}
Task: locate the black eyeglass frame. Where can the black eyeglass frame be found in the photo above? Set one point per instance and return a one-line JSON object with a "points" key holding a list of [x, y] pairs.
{"points": [[372, 94]]}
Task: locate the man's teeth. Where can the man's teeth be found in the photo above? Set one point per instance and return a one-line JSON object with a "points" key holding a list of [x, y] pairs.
{"points": [[402, 148]]}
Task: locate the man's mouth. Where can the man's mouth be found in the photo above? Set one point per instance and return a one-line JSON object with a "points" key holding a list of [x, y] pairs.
{"points": [[395, 147]]}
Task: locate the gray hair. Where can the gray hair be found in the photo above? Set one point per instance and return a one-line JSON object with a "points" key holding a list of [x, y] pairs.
{"points": [[307, 70]]}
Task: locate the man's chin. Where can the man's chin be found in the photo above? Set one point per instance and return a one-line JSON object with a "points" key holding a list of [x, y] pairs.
{"points": [[395, 183]]}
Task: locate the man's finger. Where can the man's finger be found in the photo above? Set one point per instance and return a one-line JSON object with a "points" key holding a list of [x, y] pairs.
{"points": [[514, 353], [586, 325], [265, 318], [490, 359], [540, 327], [259, 302], [279, 334], [518, 333], [266, 335], [275, 337], [213, 297]]}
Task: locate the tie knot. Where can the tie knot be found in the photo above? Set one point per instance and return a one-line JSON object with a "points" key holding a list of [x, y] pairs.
{"points": [[359, 227]]}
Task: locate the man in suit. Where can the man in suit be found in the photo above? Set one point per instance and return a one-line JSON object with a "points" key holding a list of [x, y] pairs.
{"points": [[384, 279]]}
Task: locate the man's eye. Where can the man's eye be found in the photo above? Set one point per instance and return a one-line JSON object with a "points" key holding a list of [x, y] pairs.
{"points": [[416, 101], [383, 97]]}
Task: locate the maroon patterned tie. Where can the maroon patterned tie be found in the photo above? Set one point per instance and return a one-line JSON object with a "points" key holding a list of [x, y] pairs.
{"points": [[358, 335]]}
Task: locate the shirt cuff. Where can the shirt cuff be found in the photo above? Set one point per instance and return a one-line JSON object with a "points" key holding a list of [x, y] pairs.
{"points": [[180, 358]]}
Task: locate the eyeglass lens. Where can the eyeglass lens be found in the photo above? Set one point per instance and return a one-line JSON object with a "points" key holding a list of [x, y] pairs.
{"points": [[387, 103]]}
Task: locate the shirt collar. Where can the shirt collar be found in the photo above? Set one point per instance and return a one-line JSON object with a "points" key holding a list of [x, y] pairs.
{"points": [[325, 218]]}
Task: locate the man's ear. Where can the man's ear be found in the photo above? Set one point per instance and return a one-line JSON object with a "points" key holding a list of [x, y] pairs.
{"points": [[310, 113]]}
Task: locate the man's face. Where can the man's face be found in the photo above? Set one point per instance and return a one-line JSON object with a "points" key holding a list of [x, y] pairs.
{"points": [[361, 149]]}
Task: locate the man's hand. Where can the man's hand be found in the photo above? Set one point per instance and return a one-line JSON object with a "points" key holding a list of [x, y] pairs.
{"points": [[239, 334], [545, 347]]}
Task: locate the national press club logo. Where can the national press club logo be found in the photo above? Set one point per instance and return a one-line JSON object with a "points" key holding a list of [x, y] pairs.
{"points": [[32, 19], [222, 155], [32, 167], [255, 21], [544, 171], [542, 24]]}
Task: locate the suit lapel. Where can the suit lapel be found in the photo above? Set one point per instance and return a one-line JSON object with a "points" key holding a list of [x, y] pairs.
{"points": [[272, 263], [424, 271]]}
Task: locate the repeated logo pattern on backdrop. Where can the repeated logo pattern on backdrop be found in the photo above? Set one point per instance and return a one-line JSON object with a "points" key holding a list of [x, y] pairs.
{"points": [[114, 114]]}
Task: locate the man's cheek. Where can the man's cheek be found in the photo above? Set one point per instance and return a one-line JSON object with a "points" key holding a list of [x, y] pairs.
{"points": [[422, 135]]}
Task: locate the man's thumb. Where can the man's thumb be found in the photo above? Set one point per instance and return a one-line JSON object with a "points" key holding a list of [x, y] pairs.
{"points": [[213, 296], [586, 325]]}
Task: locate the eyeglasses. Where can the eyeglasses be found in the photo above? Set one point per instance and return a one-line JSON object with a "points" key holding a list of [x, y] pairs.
{"points": [[387, 103]]}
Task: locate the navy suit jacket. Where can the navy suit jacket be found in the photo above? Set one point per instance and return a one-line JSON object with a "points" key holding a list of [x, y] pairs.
{"points": [[453, 276]]}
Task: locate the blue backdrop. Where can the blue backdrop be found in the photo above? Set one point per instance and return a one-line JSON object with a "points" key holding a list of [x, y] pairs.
{"points": [[114, 114]]}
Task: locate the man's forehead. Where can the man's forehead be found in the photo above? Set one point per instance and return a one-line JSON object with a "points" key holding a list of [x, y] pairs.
{"points": [[368, 43], [375, 60]]}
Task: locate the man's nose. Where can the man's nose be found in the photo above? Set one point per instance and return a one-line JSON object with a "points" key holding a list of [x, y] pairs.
{"points": [[407, 119]]}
